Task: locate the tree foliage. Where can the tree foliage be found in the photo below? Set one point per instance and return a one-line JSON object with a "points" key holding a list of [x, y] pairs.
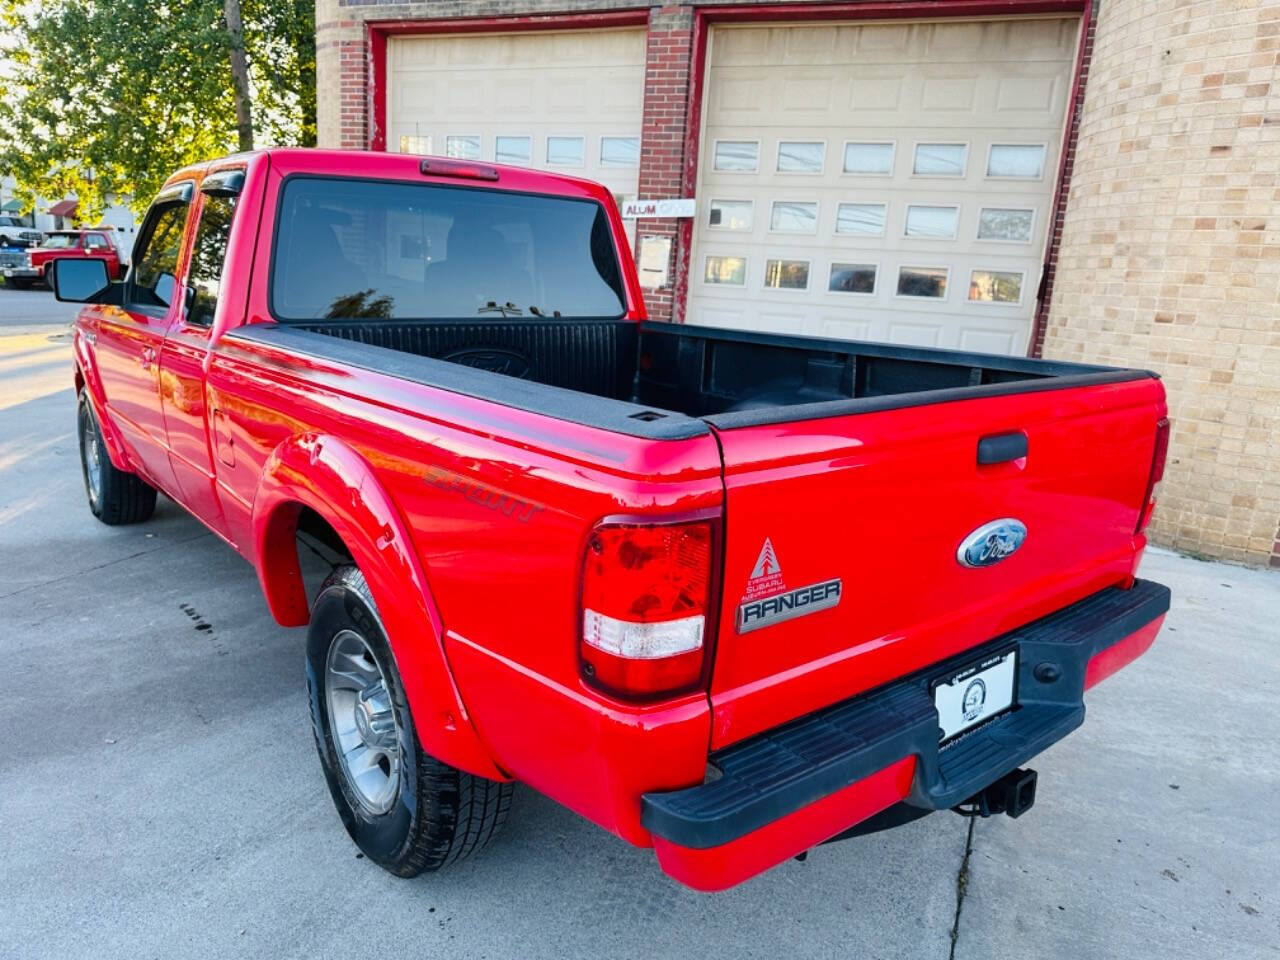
{"points": [[105, 98]]}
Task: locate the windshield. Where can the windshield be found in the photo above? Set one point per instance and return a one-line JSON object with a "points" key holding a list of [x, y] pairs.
{"points": [[60, 241], [379, 250]]}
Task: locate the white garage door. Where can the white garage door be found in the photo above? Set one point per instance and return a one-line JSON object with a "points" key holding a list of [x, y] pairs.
{"points": [[886, 181], [569, 102]]}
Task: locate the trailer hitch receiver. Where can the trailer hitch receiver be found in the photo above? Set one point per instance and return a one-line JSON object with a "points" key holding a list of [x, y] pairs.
{"points": [[1013, 795]]}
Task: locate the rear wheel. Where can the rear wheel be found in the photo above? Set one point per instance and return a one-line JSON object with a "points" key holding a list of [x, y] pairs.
{"points": [[407, 811], [115, 496]]}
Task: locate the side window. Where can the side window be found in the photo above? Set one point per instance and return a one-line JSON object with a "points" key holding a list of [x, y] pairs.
{"points": [[157, 261], [95, 241], [207, 256]]}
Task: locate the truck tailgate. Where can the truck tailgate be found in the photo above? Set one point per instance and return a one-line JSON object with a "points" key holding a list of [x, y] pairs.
{"points": [[881, 501]]}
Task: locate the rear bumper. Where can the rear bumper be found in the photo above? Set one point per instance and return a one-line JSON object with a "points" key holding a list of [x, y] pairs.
{"points": [[786, 790]]}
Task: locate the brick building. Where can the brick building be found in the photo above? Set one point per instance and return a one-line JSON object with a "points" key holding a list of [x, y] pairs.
{"points": [[1088, 181]]}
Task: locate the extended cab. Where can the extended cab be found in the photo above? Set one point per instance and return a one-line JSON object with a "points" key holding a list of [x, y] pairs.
{"points": [[725, 594], [31, 266]]}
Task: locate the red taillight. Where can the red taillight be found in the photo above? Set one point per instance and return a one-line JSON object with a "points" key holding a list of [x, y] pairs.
{"points": [[645, 605], [1157, 473]]}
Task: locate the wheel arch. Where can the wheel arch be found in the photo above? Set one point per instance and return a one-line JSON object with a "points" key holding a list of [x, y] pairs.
{"points": [[317, 475]]}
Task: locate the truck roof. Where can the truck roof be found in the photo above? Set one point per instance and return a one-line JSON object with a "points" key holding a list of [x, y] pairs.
{"points": [[371, 162]]}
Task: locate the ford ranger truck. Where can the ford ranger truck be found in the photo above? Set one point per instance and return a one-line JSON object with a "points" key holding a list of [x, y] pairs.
{"points": [[726, 594]]}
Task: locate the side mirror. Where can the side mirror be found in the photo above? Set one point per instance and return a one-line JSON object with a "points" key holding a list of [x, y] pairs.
{"points": [[79, 281]]}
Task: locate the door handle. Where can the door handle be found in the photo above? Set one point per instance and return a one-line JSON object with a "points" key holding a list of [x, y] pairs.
{"points": [[148, 357], [1001, 448]]}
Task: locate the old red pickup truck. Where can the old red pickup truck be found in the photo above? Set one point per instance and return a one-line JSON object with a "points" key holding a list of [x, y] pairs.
{"points": [[30, 266], [725, 594]]}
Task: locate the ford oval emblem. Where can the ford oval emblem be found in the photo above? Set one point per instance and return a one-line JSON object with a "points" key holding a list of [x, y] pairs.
{"points": [[992, 542], [493, 359]]}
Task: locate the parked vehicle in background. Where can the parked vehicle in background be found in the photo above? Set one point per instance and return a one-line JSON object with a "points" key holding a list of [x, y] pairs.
{"points": [[29, 267], [726, 594], [15, 233]]}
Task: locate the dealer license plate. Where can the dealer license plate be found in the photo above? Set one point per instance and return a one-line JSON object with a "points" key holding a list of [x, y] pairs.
{"points": [[975, 694]]}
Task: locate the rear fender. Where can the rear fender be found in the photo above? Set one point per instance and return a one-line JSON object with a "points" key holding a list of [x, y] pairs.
{"points": [[326, 475]]}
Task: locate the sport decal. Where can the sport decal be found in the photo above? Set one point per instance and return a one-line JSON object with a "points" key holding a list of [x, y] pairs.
{"points": [[767, 600]]}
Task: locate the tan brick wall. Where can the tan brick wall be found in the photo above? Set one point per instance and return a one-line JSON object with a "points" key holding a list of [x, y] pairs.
{"points": [[1170, 253]]}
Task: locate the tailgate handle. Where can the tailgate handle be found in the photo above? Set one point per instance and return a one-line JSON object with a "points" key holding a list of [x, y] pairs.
{"points": [[1001, 448]]}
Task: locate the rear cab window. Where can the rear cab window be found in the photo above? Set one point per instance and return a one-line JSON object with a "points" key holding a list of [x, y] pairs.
{"points": [[390, 250]]}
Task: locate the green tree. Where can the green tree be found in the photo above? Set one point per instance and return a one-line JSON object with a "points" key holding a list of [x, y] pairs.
{"points": [[103, 98]]}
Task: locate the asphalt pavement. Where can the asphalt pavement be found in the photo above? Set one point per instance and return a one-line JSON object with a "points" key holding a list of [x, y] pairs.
{"points": [[161, 795], [24, 309]]}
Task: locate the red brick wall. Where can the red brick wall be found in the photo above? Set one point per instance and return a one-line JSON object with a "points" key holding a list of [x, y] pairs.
{"points": [[354, 93], [662, 154]]}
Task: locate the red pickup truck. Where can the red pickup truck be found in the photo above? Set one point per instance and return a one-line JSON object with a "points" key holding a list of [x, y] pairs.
{"points": [[30, 266], [725, 594]]}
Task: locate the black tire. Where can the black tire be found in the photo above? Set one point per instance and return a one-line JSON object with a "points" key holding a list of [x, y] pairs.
{"points": [[115, 496], [438, 814]]}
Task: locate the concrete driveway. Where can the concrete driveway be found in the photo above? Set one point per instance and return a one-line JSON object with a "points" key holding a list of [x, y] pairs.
{"points": [[161, 796]]}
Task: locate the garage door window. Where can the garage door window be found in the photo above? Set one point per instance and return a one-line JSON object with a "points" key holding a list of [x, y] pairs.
{"points": [[786, 274], [412, 144], [932, 223], [852, 278], [995, 286], [861, 219], [731, 214], [737, 156], [726, 271], [1016, 161], [868, 159], [927, 283], [566, 151], [1002, 223], [800, 156], [940, 159], [791, 217], [464, 147], [620, 151], [514, 150]]}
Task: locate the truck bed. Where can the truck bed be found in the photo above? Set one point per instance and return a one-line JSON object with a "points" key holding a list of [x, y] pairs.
{"points": [[665, 379]]}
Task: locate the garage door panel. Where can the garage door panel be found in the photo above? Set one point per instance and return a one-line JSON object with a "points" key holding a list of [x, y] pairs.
{"points": [[876, 91], [1021, 100], [523, 87], [882, 84], [987, 341]]}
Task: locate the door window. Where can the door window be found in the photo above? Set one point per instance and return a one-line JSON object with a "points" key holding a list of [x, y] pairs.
{"points": [[207, 256], [157, 260], [95, 241]]}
